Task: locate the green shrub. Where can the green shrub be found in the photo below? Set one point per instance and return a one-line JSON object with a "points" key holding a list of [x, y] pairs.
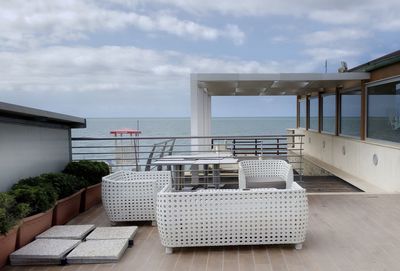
{"points": [[91, 171], [10, 212], [64, 184], [31, 181], [40, 198]]}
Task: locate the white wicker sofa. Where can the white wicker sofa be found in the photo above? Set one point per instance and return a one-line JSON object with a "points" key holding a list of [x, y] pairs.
{"points": [[131, 196], [265, 174], [232, 217]]}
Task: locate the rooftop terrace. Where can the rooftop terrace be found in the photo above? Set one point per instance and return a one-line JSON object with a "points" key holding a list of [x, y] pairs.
{"points": [[346, 232]]}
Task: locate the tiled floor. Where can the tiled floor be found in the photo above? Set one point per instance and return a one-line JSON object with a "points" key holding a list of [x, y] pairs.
{"points": [[346, 232]]}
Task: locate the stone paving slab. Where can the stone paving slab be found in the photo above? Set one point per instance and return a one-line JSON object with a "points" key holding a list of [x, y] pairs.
{"points": [[75, 232], [98, 251], [108, 233], [43, 251]]}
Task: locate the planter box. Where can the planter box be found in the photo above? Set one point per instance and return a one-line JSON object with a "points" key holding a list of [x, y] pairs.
{"points": [[8, 244], [32, 226], [67, 208], [91, 197]]}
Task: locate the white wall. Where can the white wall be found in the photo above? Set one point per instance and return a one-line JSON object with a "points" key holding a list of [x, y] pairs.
{"points": [[30, 150], [358, 158]]}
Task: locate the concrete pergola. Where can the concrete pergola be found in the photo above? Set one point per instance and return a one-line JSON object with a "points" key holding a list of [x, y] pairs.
{"points": [[205, 85]]}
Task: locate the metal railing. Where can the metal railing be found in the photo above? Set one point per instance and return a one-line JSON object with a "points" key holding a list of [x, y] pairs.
{"points": [[164, 153]]}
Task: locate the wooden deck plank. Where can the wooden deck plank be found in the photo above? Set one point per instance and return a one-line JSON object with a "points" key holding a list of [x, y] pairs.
{"points": [[231, 259], [215, 259], [346, 232], [246, 258]]}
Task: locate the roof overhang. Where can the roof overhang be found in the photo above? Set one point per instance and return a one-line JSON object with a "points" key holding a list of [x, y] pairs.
{"points": [[266, 84], [33, 115]]}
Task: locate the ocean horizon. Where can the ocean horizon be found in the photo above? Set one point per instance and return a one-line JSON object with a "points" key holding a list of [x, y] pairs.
{"points": [[180, 126]]}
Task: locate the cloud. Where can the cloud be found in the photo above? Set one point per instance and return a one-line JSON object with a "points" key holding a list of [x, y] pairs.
{"points": [[62, 68], [87, 81], [323, 53], [338, 17], [338, 36], [380, 15], [29, 24], [114, 67]]}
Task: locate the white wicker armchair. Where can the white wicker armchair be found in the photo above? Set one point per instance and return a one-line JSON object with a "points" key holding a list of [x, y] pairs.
{"points": [[253, 172], [131, 196]]}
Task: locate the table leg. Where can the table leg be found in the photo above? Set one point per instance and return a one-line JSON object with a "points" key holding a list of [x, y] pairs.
{"points": [[179, 174], [216, 175], [195, 174]]}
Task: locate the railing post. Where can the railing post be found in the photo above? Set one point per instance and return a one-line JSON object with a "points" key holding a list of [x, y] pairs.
{"points": [[234, 147], [255, 147], [149, 160], [277, 146]]}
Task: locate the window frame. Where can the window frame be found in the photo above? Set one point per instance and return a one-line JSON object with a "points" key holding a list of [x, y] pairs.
{"points": [[367, 86], [309, 113], [355, 89], [305, 108], [322, 113]]}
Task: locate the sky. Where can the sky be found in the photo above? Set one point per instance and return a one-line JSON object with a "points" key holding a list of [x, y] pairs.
{"points": [[133, 58]]}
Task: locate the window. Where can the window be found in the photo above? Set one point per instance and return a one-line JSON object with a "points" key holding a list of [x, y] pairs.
{"points": [[303, 113], [329, 113], [384, 111], [314, 113], [350, 113]]}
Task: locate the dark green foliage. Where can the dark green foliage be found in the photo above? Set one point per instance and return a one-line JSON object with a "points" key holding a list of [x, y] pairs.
{"points": [[64, 184], [31, 181], [91, 171], [10, 212], [40, 198]]}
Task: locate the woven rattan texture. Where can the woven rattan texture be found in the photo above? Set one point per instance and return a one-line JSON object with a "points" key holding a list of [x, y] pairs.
{"points": [[265, 168], [131, 196], [232, 217]]}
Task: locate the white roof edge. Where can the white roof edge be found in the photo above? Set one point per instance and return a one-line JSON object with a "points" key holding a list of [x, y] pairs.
{"points": [[23, 111], [280, 76]]}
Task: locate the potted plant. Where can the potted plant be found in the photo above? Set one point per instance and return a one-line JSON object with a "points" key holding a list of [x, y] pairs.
{"points": [[69, 191], [10, 214], [92, 172], [41, 199]]}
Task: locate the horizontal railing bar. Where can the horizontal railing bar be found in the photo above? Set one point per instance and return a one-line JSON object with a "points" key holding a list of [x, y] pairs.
{"points": [[175, 152], [183, 145], [126, 159], [186, 137]]}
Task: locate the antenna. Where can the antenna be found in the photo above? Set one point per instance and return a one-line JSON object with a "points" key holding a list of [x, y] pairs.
{"points": [[326, 65]]}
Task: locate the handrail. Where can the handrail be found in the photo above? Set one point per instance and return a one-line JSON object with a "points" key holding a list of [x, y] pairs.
{"points": [[187, 137], [142, 153]]}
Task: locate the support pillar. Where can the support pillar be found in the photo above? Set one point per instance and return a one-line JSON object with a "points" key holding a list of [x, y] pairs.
{"points": [[200, 122]]}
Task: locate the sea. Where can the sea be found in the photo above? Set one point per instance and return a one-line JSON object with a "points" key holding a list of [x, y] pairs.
{"points": [[167, 127]]}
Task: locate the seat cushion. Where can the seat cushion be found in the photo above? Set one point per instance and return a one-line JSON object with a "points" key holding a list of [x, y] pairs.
{"points": [[265, 182]]}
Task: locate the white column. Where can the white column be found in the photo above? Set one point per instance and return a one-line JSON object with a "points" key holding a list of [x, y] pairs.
{"points": [[200, 122]]}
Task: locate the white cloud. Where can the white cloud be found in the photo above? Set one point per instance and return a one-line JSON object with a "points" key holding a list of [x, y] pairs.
{"points": [[114, 80], [339, 17], [114, 68], [324, 53], [382, 15], [339, 36], [28, 24]]}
